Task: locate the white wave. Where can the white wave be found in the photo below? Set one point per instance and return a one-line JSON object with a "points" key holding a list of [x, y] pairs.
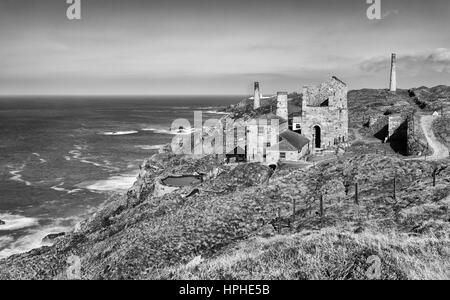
{"points": [[16, 222], [33, 240], [149, 147], [91, 163], [215, 112], [181, 107], [59, 188], [117, 183], [77, 155], [119, 132], [40, 158], [170, 131], [16, 176], [5, 240]]}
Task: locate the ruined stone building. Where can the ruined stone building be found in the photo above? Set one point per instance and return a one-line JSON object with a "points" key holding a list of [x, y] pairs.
{"points": [[324, 116], [285, 129], [396, 129], [320, 123]]}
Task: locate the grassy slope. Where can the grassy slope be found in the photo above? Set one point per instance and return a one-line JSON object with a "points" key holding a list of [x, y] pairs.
{"points": [[327, 254], [157, 237], [410, 234], [431, 99], [441, 128]]}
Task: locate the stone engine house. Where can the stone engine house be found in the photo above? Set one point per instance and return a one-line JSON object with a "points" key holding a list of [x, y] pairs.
{"points": [[324, 115]]}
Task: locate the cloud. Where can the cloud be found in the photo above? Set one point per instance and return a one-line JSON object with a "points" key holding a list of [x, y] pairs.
{"points": [[437, 61], [441, 55]]}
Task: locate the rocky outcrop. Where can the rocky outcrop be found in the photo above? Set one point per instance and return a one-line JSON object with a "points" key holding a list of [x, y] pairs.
{"points": [[161, 189], [52, 237]]}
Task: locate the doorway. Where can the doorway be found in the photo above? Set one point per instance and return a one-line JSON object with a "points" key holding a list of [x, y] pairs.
{"points": [[317, 137]]}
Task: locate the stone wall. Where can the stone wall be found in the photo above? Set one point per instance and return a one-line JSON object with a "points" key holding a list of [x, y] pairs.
{"points": [[395, 121], [333, 125], [334, 90], [282, 105], [259, 133], [417, 143], [161, 189], [378, 124]]}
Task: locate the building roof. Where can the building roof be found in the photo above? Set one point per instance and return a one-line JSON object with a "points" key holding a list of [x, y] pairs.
{"points": [[295, 139], [338, 80], [283, 146], [291, 141]]}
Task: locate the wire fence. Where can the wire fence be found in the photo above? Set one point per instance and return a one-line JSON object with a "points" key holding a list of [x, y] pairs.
{"points": [[289, 219]]}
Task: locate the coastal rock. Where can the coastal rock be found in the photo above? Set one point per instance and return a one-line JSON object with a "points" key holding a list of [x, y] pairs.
{"points": [[2, 222], [52, 237]]}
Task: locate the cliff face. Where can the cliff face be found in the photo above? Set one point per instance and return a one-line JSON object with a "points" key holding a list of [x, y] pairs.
{"points": [[139, 236]]}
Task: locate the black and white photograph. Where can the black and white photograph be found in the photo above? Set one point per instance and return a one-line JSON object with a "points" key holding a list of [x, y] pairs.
{"points": [[207, 142]]}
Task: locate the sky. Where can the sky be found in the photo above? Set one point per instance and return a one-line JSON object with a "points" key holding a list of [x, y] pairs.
{"points": [[178, 47]]}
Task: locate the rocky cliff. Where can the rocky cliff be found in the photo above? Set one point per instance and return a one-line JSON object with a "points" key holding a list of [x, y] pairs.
{"points": [[139, 236]]}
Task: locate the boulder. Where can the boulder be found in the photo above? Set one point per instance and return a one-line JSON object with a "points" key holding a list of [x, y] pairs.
{"points": [[52, 237], [2, 222]]}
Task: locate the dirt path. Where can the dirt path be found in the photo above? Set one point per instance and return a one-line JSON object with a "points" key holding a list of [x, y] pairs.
{"points": [[440, 151]]}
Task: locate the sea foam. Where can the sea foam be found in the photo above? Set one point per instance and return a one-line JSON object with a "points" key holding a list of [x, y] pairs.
{"points": [[113, 133], [16, 222], [118, 183]]}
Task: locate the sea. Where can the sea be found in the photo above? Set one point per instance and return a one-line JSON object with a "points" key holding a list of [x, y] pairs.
{"points": [[61, 158]]}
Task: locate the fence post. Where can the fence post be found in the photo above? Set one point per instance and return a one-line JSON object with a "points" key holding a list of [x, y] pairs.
{"points": [[293, 209], [395, 187], [279, 220], [434, 178], [293, 212], [321, 206], [356, 194]]}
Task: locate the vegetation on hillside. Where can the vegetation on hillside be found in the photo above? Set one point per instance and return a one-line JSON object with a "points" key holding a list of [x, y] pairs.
{"points": [[141, 236], [441, 128], [431, 99]]}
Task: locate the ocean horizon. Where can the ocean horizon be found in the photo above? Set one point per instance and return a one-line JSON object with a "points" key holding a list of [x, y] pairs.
{"points": [[61, 158]]}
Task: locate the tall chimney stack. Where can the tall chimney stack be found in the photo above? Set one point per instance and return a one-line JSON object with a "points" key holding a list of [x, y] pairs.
{"points": [[256, 97], [282, 105], [393, 82]]}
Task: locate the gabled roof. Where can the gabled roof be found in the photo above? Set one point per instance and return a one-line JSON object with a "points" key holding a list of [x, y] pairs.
{"points": [[283, 146], [291, 141], [297, 140], [338, 80]]}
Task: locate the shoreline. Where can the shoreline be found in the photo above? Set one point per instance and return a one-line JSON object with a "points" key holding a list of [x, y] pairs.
{"points": [[36, 233]]}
